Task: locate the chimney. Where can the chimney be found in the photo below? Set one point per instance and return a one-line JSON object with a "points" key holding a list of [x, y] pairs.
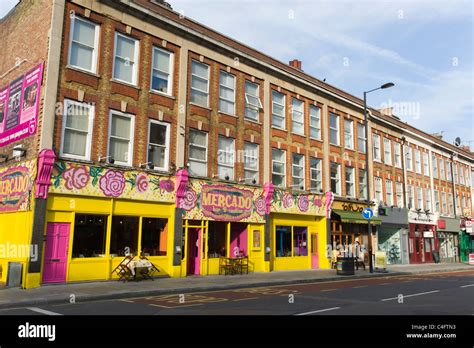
{"points": [[295, 63], [438, 135], [387, 111]]}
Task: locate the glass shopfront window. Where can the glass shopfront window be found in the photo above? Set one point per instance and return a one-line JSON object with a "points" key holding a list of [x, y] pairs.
{"points": [[154, 236], [217, 239], [291, 241], [124, 235], [89, 236]]}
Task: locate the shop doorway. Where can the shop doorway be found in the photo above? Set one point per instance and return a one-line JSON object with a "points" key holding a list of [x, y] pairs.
{"points": [[314, 251], [194, 251], [238, 239], [56, 252]]}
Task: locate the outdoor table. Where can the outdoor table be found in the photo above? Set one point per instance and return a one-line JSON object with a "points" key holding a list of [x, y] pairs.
{"points": [[140, 267]]}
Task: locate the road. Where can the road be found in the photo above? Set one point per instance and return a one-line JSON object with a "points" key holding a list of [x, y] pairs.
{"points": [[427, 294]]}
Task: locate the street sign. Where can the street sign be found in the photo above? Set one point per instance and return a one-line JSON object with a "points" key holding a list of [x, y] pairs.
{"points": [[367, 213]]}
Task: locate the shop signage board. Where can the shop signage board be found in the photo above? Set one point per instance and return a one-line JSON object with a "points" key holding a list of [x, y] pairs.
{"points": [[428, 234], [471, 259], [16, 184], [380, 260], [301, 203], [79, 179], [207, 200], [422, 218], [19, 106], [469, 224]]}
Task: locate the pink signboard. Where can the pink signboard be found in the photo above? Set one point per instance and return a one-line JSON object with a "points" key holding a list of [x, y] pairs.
{"points": [[19, 106]]}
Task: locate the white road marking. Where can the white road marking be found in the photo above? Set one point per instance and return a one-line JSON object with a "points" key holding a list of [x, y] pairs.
{"points": [[421, 293], [42, 311], [466, 286], [321, 310], [362, 286], [328, 290]]}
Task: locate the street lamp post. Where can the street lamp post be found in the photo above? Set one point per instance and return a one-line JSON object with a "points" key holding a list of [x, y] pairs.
{"points": [[366, 120]]}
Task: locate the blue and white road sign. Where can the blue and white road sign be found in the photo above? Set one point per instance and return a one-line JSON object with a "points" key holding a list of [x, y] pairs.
{"points": [[367, 213]]}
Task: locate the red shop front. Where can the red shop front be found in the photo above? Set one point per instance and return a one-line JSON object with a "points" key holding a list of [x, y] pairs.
{"points": [[422, 242]]}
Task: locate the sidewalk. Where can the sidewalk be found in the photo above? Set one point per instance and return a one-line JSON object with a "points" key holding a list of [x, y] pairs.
{"points": [[88, 291]]}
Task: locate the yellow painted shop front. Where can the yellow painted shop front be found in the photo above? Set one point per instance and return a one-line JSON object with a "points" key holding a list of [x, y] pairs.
{"points": [[16, 217], [96, 216], [221, 221], [298, 231]]}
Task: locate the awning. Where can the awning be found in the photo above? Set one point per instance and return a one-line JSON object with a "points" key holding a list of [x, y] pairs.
{"points": [[355, 217]]}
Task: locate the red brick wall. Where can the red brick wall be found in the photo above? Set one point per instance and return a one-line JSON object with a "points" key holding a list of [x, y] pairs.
{"points": [[24, 35], [108, 94]]}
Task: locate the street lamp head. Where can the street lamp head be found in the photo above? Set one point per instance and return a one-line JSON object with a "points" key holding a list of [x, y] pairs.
{"points": [[387, 85]]}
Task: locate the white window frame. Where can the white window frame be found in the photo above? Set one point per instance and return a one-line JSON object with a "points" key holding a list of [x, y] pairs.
{"points": [[455, 173], [337, 178], [201, 78], [132, 133], [337, 129], [387, 155], [409, 157], [228, 153], [319, 183], [399, 194], [302, 178], [419, 198], [418, 162], [274, 102], [349, 144], [96, 45], [257, 157], [426, 164], [361, 126], [378, 190], [397, 154], [297, 108], [434, 164], [389, 192], [351, 182], [450, 204], [364, 183], [444, 203], [449, 173], [428, 202], [461, 175], [377, 146], [249, 105], [228, 88], [170, 74], [442, 169], [437, 204], [410, 197], [317, 124], [283, 175], [167, 141], [202, 147], [90, 125], [135, 59]]}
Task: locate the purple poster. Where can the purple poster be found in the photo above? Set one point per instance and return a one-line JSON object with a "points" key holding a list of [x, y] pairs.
{"points": [[19, 106]]}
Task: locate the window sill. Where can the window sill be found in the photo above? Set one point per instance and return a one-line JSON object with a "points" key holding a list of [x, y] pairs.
{"points": [[278, 128], [315, 139], [128, 84], [200, 106], [331, 144], [77, 160], [162, 94], [300, 135], [227, 114], [71, 67], [346, 148], [252, 121]]}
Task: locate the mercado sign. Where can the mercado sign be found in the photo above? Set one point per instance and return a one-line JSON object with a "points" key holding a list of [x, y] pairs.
{"points": [[19, 106], [15, 187], [222, 202]]}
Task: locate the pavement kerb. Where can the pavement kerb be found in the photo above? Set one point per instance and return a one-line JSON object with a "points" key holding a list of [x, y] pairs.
{"points": [[214, 287]]}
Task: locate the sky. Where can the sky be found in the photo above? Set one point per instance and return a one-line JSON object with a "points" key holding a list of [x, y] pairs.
{"points": [[425, 47]]}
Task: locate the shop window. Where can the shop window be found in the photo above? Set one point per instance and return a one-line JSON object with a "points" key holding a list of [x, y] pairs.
{"points": [[124, 236], [283, 241], [216, 243], [291, 241], [300, 244], [89, 236], [154, 236]]}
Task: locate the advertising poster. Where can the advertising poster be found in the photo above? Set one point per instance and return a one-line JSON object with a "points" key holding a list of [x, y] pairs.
{"points": [[19, 106]]}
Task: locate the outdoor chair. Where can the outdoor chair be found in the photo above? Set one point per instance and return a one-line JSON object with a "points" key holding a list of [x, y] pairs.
{"points": [[225, 267]]}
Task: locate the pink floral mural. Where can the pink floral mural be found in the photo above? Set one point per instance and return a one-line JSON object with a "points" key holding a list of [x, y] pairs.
{"points": [[287, 200], [142, 183], [261, 206], [167, 185], [303, 203], [189, 200], [76, 177], [112, 183]]}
